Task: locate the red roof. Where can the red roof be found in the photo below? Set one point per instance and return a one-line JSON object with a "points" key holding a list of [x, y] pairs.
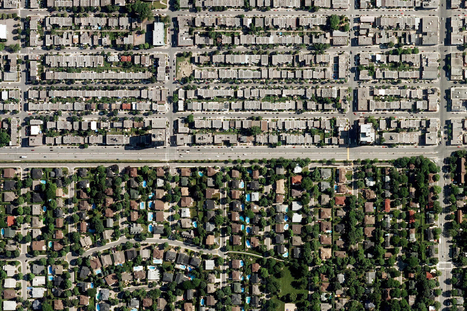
{"points": [[126, 106], [411, 217], [387, 205], [340, 200], [296, 180], [125, 58], [10, 220], [429, 276]]}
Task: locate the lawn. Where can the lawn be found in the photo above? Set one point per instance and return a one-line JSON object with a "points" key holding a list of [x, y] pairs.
{"points": [[157, 5], [287, 288]]}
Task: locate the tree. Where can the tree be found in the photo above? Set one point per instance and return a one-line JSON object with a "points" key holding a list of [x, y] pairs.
{"points": [[334, 21], [255, 130], [141, 10], [98, 225], [4, 138]]}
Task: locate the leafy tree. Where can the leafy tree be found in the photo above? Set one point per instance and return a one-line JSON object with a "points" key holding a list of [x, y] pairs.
{"points": [[4, 138], [334, 21]]}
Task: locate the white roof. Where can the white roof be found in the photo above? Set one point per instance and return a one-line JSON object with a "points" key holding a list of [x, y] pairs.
{"points": [[9, 283], [38, 281], [185, 213], [158, 34], [9, 305], [209, 264], [3, 32], [35, 130]]}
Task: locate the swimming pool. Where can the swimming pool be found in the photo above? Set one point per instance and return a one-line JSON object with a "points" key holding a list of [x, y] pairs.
{"points": [[286, 218], [98, 307], [247, 219], [248, 197], [145, 183], [50, 278], [195, 224], [248, 229], [43, 182], [241, 218], [98, 271], [3, 231], [286, 255], [151, 195], [150, 216], [242, 227], [151, 268], [44, 208], [49, 243], [93, 206], [242, 184], [150, 229], [200, 174], [248, 299], [286, 227], [157, 261], [151, 204], [142, 205], [201, 302], [248, 244]]}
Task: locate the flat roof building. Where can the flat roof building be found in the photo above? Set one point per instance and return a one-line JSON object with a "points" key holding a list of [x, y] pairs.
{"points": [[158, 34]]}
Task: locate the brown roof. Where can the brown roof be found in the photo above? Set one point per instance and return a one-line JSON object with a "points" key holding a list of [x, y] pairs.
{"points": [[109, 213], [279, 198], [255, 267], [255, 174], [369, 231], [340, 200], [186, 172], [147, 302], [134, 215], [340, 254], [159, 205], [8, 173], [341, 174], [158, 253], [297, 229], [95, 263], [186, 202], [132, 171], [326, 225], [325, 240], [108, 201], [369, 220], [109, 191], [210, 240], [82, 195], [325, 253], [159, 216], [159, 193], [211, 172], [236, 194], [254, 242], [58, 305], [236, 240], [9, 294], [58, 222], [160, 172], [38, 245], [58, 234], [82, 226], [111, 279], [210, 192], [236, 263], [235, 174], [83, 300], [280, 186], [134, 204], [279, 228], [325, 213], [369, 207], [84, 205]]}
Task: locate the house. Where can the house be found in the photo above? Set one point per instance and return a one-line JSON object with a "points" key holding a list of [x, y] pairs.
{"points": [[58, 304], [9, 305], [38, 246]]}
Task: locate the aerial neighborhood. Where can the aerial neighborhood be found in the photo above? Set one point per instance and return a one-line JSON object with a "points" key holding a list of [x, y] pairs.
{"points": [[233, 155]]}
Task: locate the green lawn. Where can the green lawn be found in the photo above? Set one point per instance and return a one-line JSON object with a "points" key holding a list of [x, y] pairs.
{"points": [[287, 288], [156, 5]]}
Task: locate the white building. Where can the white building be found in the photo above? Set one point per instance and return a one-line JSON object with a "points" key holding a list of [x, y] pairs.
{"points": [[367, 134], [9, 305], [158, 34], [3, 32]]}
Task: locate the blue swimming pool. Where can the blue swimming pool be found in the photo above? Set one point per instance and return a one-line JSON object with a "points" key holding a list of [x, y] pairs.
{"points": [[195, 224], [93, 205], [242, 184], [248, 197], [151, 204], [145, 183], [241, 218], [286, 227], [248, 244], [286, 255], [151, 195], [150, 216], [247, 219], [3, 231], [150, 229], [142, 205], [43, 182], [98, 307], [248, 229], [49, 243], [201, 302], [44, 208], [200, 174], [50, 278], [286, 218], [248, 299]]}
